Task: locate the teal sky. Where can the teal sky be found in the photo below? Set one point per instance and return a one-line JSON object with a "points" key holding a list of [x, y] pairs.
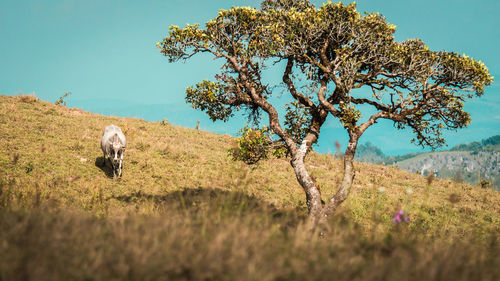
{"points": [[104, 53]]}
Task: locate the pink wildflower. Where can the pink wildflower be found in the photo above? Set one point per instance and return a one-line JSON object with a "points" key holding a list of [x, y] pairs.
{"points": [[399, 217]]}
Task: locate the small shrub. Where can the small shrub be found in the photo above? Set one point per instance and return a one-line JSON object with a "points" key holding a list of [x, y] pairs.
{"points": [[252, 146], [164, 122], [484, 183], [61, 100]]}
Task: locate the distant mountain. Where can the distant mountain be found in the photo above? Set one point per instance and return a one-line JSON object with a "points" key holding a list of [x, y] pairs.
{"points": [[370, 153], [469, 166], [490, 144], [468, 162]]}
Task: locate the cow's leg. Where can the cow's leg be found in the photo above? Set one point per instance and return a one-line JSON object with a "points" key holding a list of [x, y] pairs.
{"points": [[120, 168], [112, 167], [121, 163]]}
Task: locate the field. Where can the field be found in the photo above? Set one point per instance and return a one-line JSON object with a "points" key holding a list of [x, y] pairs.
{"points": [[183, 210]]}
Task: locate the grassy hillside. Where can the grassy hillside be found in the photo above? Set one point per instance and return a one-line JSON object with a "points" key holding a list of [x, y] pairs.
{"points": [[184, 211]]}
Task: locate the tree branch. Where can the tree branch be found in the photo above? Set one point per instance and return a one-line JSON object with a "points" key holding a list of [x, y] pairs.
{"points": [[325, 103], [291, 87]]}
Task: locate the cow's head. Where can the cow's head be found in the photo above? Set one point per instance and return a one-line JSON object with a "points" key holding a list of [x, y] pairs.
{"points": [[117, 152]]}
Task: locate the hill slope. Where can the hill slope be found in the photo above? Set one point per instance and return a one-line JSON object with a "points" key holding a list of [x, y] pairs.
{"points": [[181, 194], [57, 147], [471, 166], [468, 162]]}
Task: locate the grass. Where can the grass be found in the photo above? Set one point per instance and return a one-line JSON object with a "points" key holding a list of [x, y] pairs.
{"points": [[184, 211]]}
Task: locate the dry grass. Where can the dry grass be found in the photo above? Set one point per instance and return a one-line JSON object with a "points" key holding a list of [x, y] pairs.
{"points": [[27, 98], [214, 243], [184, 211]]}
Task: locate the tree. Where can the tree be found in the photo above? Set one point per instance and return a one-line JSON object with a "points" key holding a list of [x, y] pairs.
{"points": [[458, 178], [325, 54]]}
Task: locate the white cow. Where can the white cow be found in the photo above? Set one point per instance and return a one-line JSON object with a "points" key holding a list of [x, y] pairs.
{"points": [[113, 146]]}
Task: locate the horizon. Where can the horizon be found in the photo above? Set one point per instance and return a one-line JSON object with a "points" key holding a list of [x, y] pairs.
{"points": [[105, 55]]}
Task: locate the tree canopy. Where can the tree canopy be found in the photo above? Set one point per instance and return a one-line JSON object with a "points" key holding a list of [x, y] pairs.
{"points": [[335, 50]]}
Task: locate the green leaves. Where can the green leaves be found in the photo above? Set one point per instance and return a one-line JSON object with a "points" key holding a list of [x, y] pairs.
{"points": [[297, 121], [332, 46], [461, 71], [298, 5], [349, 116], [182, 43], [210, 97], [437, 84]]}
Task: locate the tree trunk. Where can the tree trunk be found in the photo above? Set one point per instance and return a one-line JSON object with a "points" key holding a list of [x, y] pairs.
{"points": [[347, 181], [313, 195]]}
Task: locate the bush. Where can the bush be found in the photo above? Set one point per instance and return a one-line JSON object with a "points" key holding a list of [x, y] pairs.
{"points": [[484, 183], [252, 146], [61, 100]]}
